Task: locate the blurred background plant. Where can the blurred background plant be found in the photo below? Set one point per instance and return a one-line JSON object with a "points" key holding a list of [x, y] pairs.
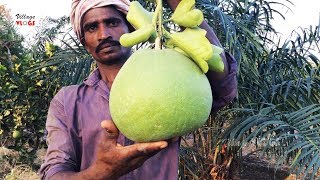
{"points": [[276, 111], [24, 96]]}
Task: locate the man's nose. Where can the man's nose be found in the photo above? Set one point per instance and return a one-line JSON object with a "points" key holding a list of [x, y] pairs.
{"points": [[103, 33]]}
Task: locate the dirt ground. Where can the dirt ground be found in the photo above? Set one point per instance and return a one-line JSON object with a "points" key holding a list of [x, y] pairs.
{"points": [[253, 166]]}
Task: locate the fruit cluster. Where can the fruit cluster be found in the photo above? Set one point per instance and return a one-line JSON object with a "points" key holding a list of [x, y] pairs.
{"points": [[192, 41]]}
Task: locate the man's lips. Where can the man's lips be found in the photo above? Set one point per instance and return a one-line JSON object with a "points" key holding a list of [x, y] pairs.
{"points": [[106, 44]]}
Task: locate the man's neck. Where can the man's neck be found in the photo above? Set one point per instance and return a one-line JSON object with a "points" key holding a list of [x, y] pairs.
{"points": [[109, 73]]}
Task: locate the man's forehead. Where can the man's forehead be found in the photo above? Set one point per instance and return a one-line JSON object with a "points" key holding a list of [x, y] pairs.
{"points": [[96, 14], [80, 7]]}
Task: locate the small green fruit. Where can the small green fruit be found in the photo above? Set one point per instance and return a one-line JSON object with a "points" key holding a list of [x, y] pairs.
{"points": [[16, 134], [158, 95]]}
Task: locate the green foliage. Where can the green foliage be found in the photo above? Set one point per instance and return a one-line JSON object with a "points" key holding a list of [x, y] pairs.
{"points": [[70, 59], [31, 76], [24, 98], [294, 134]]}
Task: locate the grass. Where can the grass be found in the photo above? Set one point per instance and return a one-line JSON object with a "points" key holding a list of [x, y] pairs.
{"points": [[22, 172], [11, 169]]}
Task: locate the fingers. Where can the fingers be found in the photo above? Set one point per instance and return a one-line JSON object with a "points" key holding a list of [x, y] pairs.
{"points": [[126, 158], [131, 152], [136, 154], [144, 149]]}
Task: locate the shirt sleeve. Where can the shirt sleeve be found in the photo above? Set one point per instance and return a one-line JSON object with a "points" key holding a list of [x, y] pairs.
{"points": [[60, 155], [225, 90]]}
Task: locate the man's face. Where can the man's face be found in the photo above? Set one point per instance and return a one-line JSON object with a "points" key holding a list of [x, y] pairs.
{"points": [[102, 29]]}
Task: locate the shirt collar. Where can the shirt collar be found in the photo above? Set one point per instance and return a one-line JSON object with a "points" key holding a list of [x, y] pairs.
{"points": [[93, 78]]}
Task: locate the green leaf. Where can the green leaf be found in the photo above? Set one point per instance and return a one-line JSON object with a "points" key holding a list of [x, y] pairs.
{"points": [[189, 19], [138, 16], [183, 7], [215, 62], [2, 94], [140, 35], [194, 43]]}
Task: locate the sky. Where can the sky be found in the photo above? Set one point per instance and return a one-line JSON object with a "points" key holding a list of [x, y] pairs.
{"points": [[304, 13]]}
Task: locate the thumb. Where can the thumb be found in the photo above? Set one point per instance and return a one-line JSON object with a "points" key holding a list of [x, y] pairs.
{"points": [[111, 131]]}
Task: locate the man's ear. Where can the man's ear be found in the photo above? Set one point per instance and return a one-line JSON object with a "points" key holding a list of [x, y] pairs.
{"points": [[82, 41]]}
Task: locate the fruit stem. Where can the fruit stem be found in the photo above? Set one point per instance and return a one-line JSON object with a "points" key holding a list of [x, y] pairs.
{"points": [[158, 20]]}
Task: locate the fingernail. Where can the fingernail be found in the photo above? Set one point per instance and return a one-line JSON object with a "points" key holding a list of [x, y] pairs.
{"points": [[163, 145], [102, 124]]}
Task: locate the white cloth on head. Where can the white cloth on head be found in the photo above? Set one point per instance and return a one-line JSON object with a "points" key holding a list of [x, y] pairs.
{"points": [[80, 7]]}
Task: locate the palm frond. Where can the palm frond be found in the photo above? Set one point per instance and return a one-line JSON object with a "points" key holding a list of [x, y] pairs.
{"points": [[70, 62], [295, 135]]}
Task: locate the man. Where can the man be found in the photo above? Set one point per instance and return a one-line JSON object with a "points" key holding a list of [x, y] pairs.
{"points": [[83, 143]]}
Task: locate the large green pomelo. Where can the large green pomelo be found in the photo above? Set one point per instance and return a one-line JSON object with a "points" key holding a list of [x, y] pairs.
{"points": [[159, 94]]}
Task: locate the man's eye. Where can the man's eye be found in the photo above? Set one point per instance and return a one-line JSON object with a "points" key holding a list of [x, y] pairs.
{"points": [[92, 28], [113, 23]]}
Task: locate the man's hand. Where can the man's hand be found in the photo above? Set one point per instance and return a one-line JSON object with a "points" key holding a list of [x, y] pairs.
{"points": [[113, 160]]}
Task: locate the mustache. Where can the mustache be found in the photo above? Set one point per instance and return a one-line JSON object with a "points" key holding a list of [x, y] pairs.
{"points": [[107, 41]]}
